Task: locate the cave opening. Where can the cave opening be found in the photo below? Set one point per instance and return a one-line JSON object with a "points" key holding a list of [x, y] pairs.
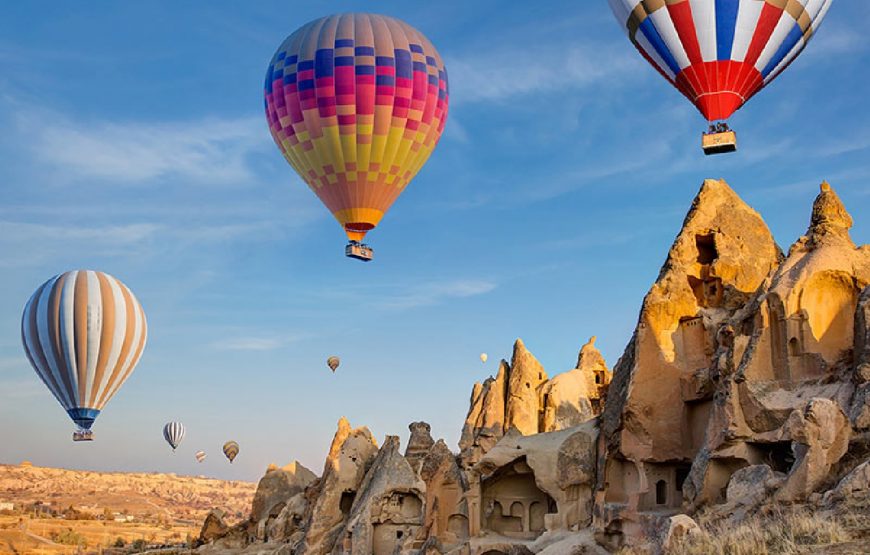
{"points": [[346, 502], [777, 455], [706, 246]]}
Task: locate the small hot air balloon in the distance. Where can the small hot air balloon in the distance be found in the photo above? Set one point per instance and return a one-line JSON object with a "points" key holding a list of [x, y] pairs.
{"points": [[83, 332], [173, 433], [719, 53], [484, 357], [231, 449], [333, 362], [200, 456], [356, 103]]}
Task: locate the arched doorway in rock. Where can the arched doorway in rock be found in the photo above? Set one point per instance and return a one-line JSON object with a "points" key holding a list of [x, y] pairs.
{"points": [[512, 503]]}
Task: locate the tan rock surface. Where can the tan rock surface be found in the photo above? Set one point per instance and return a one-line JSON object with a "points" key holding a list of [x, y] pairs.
{"points": [[526, 376], [719, 259], [571, 398], [351, 453], [389, 511]]}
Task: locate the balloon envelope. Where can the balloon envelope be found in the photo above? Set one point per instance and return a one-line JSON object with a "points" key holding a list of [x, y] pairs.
{"points": [[83, 332], [356, 103], [333, 363], [173, 433], [719, 53], [231, 449], [483, 357], [200, 456]]}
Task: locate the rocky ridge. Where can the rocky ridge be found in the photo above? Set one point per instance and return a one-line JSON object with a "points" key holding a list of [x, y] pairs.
{"points": [[746, 383]]}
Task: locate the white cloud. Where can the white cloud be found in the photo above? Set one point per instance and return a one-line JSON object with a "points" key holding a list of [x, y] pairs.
{"points": [[209, 150], [501, 74], [27, 244], [256, 343], [427, 294]]}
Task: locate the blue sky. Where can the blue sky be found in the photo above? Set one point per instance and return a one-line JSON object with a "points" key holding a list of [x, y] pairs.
{"points": [[134, 143]]}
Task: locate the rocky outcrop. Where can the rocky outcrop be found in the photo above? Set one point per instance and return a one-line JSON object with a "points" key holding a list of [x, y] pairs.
{"points": [[576, 396], [388, 513], [753, 368], [862, 337], [278, 489], [526, 376], [485, 423], [446, 506], [820, 438], [526, 485], [746, 384], [419, 443], [350, 455], [523, 398], [214, 527]]}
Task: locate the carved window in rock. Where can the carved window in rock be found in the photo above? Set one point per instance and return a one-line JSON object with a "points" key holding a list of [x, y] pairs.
{"points": [[706, 246], [661, 492], [346, 502]]}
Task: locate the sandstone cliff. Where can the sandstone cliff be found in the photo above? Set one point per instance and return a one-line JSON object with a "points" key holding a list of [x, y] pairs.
{"points": [[746, 384]]}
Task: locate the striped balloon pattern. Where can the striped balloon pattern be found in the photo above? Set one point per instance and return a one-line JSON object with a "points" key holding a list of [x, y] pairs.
{"points": [[719, 53], [83, 332], [231, 449], [173, 433], [356, 103], [200, 456]]}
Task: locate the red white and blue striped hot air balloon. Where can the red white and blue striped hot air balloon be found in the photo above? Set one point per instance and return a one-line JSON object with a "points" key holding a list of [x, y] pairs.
{"points": [[719, 53], [83, 332]]}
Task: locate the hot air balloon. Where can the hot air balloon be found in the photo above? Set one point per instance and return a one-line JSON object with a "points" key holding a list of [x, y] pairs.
{"points": [[200, 456], [83, 332], [719, 53], [231, 449], [333, 363], [356, 103], [483, 357], [173, 433]]}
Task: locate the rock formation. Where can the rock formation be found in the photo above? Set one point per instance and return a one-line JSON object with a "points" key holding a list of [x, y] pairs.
{"points": [[278, 489], [522, 397], [351, 454], [752, 368], [746, 383]]}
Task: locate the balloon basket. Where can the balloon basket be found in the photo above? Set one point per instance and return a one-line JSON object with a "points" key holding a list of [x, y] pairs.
{"points": [[83, 435], [359, 251], [719, 140]]}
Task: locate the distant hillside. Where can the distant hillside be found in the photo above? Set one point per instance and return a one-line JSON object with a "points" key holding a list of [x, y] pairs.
{"points": [[141, 495]]}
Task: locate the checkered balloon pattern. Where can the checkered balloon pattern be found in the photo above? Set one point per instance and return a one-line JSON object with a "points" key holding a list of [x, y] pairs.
{"points": [[356, 103]]}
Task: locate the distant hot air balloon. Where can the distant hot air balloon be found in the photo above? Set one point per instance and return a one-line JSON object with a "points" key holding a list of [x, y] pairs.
{"points": [[483, 357], [200, 456], [173, 433], [83, 332], [333, 363], [356, 103], [719, 53], [231, 449]]}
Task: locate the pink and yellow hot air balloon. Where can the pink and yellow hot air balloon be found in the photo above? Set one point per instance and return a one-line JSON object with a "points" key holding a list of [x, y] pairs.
{"points": [[356, 103], [720, 53]]}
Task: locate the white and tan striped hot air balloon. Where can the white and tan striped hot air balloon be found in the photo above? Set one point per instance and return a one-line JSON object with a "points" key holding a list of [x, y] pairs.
{"points": [[200, 456], [83, 332]]}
